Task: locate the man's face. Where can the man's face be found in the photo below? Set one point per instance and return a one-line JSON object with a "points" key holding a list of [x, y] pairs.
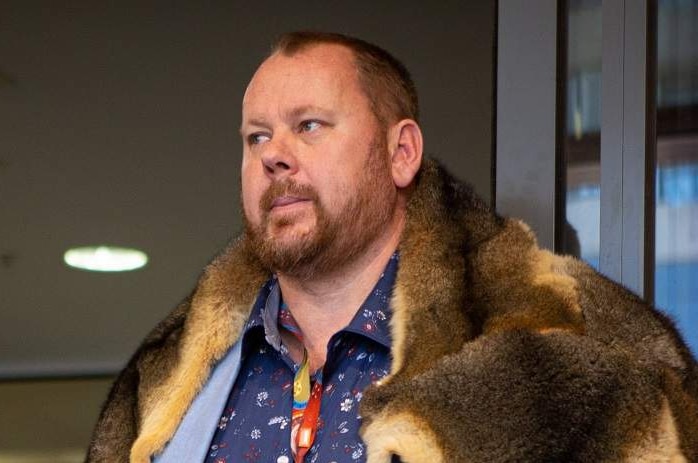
{"points": [[316, 181]]}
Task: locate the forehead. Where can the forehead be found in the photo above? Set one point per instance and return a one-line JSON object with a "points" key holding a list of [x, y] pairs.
{"points": [[324, 71]]}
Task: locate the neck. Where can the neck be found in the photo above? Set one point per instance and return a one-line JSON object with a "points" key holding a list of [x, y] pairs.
{"points": [[326, 304]]}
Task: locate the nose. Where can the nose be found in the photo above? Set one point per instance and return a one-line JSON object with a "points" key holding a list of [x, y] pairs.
{"points": [[278, 160]]}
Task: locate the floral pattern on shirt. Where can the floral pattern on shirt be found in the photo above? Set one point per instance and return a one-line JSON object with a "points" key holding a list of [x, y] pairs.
{"points": [[255, 424]]}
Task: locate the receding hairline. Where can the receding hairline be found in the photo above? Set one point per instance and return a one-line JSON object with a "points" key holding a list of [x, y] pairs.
{"points": [[310, 47], [294, 42], [351, 61], [383, 78], [341, 54]]}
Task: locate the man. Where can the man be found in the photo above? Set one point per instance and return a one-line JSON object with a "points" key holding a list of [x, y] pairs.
{"points": [[375, 309]]}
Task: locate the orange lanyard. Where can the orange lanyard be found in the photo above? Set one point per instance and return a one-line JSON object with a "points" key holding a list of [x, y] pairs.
{"points": [[306, 403], [304, 420]]}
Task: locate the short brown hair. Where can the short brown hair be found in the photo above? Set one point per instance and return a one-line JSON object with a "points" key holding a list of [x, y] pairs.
{"points": [[385, 80]]}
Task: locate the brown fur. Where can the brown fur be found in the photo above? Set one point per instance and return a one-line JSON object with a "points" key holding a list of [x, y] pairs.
{"points": [[501, 352], [401, 434]]}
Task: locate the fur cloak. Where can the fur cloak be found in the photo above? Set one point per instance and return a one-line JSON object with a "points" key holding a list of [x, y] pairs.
{"points": [[502, 352]]}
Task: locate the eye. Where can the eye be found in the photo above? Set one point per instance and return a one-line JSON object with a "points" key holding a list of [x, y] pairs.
{"points": [[309, 126], [257, 138]]}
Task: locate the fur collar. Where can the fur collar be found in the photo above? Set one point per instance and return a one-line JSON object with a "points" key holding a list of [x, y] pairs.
{"points": [[446, 226]]}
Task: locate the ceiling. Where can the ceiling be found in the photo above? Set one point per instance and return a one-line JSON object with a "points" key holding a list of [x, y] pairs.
{"points": [[119, 126]]}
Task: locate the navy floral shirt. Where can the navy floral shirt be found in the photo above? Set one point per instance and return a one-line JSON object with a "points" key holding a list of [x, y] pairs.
{"points": [[256, 423]]}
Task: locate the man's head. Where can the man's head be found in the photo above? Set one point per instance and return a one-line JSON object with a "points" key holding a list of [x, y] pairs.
{"points": [[325, 164]]}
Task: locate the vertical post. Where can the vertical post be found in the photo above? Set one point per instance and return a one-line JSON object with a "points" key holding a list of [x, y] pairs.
{"points": [[527, 113], [627, 144]]}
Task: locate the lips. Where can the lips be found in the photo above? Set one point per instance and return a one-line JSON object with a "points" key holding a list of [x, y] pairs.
{"points": [[280, 195], [282, 201]]}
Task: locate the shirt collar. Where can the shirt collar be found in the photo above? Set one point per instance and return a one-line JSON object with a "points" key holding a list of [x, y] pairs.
{"points": [[371, 320], [265, 312]]}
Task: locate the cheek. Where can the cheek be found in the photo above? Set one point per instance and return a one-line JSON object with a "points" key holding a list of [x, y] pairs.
{"points": [[336, 168], [251, 191], [335, 191]]}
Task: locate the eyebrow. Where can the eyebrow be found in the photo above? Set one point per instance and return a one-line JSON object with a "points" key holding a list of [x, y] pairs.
{"points": [[252, 122], [300, 110]]}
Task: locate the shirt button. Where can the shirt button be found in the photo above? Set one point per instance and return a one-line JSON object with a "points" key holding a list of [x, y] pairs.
{"points": [[282, 459]]}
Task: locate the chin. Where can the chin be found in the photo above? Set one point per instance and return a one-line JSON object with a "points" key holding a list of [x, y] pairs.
{"points": [[290, 238], [290, 229]]}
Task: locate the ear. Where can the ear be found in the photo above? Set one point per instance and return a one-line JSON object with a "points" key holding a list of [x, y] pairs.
{"points": [[405, 142]]}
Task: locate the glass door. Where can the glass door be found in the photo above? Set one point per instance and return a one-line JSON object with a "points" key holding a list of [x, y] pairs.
{"points": [[676, 252]]}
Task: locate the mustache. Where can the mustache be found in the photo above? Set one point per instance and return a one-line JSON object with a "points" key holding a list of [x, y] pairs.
{"points": [[286, 187]]}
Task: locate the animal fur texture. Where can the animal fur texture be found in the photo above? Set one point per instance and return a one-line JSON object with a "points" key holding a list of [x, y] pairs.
{"points": [[502, 352]]}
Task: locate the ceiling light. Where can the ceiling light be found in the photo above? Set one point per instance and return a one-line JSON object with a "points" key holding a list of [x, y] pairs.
{"points": [[105, 258]]}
